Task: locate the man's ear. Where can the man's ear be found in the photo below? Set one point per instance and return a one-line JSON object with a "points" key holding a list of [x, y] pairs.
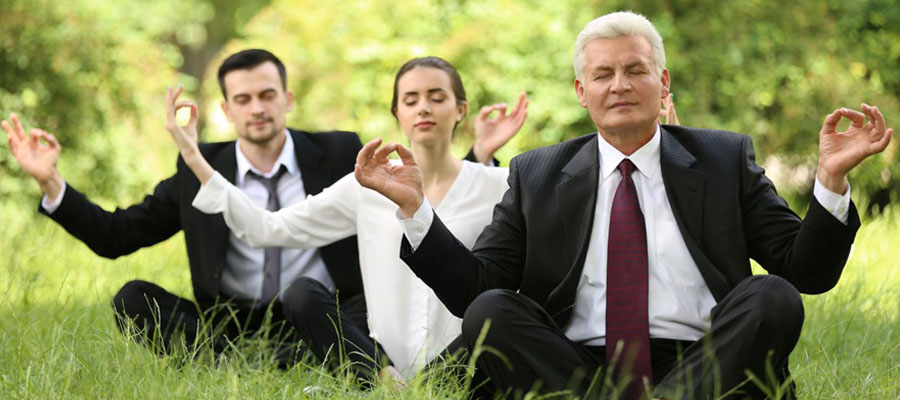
{"points": [[579, 90], [226, 111], [290, 100], [665, 80]]}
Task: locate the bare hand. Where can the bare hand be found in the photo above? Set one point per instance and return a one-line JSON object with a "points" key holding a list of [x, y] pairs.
{"points": [[402, 184], [840, 152], [668, 111], [491, 134], [37, 158], [185, 136]]}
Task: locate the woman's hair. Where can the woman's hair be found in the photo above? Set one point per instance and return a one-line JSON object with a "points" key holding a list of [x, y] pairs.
{"points": [[431, 62]]}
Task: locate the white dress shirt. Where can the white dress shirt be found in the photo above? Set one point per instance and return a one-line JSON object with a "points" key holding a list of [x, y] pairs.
{"points": [[243, 273], [679, 302], [404, 314]]}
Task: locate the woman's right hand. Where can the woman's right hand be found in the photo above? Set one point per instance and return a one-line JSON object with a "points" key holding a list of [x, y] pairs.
{"points": [[402, 183], [185, 136]]}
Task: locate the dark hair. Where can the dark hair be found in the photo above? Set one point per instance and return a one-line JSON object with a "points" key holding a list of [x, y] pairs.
{"points": [[249, 59], [431, 62]]}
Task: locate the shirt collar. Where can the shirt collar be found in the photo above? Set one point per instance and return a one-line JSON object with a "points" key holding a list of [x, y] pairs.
{"points": [[646, 158], [288, 158]]}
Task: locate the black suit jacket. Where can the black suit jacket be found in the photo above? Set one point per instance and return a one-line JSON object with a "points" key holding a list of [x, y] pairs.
{"points": [[725, 207], [323, 158]]}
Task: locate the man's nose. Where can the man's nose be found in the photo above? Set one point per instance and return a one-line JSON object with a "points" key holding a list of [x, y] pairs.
{"points": [[621, 83], [256, 106]]}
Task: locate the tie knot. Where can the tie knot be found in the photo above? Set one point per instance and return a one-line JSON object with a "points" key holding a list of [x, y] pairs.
{"points": [[269, 183], [626, 167]]}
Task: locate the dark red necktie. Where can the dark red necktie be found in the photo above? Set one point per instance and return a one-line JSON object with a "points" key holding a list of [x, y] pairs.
{"points": [[626, 287]]}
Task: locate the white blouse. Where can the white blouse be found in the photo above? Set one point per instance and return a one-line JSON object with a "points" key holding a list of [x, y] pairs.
{"points": [[404, 314]]}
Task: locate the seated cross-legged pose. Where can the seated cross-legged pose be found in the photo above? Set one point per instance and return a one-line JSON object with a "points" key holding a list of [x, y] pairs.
{"points": [[231, 293], [404, 316], [625, 253], [234, 283]]}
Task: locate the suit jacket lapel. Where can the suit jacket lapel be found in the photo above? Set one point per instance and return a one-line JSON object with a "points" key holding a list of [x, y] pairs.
{"points": [[685, 189], [576, 196], [308, 157]]}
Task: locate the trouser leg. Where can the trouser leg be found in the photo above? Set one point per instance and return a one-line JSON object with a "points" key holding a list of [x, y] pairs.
{"points": [[158, 316], [332, 326], [535, 351], [754, 328]]}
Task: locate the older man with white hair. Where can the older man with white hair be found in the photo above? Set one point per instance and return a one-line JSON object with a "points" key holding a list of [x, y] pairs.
{"points": [[617, 264]]}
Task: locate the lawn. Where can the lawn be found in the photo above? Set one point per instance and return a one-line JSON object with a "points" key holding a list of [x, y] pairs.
{"points": [[58, 338]]}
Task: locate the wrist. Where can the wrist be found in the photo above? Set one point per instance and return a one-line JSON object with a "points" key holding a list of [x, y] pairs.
{"points": [[407, 211], [482, 155], [52, 185], [836, 183]]}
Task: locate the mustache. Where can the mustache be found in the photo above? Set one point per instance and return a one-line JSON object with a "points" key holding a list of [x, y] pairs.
{"points": [[258, 120]]}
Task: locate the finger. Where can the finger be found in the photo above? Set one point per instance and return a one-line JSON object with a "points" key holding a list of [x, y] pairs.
{"points": [[877, 118], [406, 155], [520, 104], [831, 121], [882, 143], [35, 136], [523, 112], [365, 154], [10, 135], [381, 155], [54, 144], [170, 108], [502, 108], [19, 130], [178, 90], [857, 119], [485, 111]]}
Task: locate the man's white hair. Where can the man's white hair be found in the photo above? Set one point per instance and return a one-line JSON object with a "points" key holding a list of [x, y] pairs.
{"points": [[615, 25]]}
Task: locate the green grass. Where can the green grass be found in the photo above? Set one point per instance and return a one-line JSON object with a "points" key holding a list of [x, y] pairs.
{"points": [[58, 338]]}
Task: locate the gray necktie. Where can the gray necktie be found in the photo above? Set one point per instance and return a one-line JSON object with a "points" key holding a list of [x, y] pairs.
{"points": [[272, 260]]}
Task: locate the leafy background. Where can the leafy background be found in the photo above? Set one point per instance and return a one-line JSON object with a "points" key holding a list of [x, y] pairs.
{"points": [[94, 72]]}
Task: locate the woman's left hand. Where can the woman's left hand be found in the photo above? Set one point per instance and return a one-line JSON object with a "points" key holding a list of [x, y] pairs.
{"points": [[492, 133]]}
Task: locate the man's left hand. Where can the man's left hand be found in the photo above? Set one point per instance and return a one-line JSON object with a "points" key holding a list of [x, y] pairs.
{"points": [[840, 152]]}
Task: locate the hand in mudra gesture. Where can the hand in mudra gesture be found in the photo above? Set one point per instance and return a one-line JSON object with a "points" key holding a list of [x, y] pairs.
{"points": [[840, 152], [37, 152], [492, 133], [401, 183], [185, 136]]}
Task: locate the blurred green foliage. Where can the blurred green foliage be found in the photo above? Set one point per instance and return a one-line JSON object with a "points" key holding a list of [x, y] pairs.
{"points": [[93, 72]]}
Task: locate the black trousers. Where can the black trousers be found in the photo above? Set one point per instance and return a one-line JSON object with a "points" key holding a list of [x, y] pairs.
{"points": [[333, 330], [164, 320], [754, 328]]}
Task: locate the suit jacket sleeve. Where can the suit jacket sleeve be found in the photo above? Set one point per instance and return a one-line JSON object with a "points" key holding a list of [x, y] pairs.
{"points": [[456, 274], [810, 254], [120, 232]]}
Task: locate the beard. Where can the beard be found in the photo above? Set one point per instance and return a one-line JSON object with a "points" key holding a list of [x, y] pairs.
{"points": [[262, 138]]}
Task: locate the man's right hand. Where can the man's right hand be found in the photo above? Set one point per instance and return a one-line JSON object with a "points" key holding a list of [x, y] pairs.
{"points": [[37, 158], [402, 184], [185, 136]]}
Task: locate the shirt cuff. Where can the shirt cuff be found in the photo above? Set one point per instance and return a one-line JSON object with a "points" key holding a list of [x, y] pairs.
{"points": [[51, 206], [211, 196], [836, 204], [417, 227]]}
